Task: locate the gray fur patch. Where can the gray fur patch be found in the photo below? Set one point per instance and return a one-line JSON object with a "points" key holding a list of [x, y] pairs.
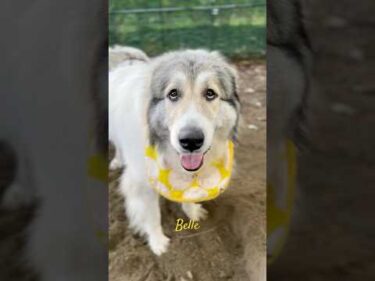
{"points": [[158, 131], [191, 63]]}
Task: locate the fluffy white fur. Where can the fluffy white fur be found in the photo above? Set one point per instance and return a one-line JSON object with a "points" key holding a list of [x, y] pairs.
{"points": [[142, 202], [130, 94]]}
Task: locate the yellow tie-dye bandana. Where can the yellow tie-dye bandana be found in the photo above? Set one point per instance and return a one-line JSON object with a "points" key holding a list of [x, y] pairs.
{"points": [[189, 188]]}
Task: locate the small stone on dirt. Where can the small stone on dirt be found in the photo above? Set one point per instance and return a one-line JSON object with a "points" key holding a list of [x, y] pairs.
{"points": [[249, 90], [189, 275], [222, 274]]}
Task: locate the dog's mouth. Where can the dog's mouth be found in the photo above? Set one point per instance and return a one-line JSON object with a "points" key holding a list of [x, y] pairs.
{"points": [[192, 161]]}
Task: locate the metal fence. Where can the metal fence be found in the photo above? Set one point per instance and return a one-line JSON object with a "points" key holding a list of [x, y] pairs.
{"points": [[237, 30]]}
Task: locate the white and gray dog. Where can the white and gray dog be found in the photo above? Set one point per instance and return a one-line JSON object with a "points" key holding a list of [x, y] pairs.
{"points": [[185, 103]]}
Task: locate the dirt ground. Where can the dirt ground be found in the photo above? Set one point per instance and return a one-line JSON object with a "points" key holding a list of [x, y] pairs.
{"points": [[230, 244]]}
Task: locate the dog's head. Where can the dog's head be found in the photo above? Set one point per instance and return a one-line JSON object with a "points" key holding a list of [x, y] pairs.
{"points": [[194, 101]]}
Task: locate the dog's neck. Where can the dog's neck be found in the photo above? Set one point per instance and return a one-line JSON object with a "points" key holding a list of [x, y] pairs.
{"points": [[169, 179]]}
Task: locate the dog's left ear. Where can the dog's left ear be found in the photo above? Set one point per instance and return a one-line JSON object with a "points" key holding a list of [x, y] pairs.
{"points": [[231, 72], [234, 83], [236, 100], [232, 79]]}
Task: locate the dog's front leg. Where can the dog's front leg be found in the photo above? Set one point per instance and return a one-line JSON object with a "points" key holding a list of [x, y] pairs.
{"points": [[143, 210], [194, 211]]}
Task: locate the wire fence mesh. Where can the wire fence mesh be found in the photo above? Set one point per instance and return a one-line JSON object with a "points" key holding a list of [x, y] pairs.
{"points": [[237, 29]]}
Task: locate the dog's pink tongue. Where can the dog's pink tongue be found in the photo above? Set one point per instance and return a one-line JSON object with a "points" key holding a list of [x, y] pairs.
{"points": [[192, 161]]}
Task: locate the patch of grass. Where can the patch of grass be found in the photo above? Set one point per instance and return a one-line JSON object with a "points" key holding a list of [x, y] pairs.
{"points": [[238, 33], [237, 42]]}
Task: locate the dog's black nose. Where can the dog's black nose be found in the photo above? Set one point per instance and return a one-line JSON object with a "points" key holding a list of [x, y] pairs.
{"points": [[191, 139]]}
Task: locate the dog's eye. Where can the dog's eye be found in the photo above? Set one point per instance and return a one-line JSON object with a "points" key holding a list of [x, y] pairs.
{"points": [[210, 95], [173, 95]]}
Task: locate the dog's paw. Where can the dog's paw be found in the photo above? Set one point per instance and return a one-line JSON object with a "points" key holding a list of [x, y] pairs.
{"points": [[159, 244], [115, 164], [194, 211]]}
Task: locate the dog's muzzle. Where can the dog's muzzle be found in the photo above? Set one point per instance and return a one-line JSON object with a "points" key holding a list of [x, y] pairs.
{"points": [[191, 140]]}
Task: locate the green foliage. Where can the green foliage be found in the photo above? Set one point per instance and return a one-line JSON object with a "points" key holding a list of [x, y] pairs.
{"points": [[237, 32]]}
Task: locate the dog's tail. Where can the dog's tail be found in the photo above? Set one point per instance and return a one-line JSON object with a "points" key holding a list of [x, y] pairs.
{"points": [[119, 54]]}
